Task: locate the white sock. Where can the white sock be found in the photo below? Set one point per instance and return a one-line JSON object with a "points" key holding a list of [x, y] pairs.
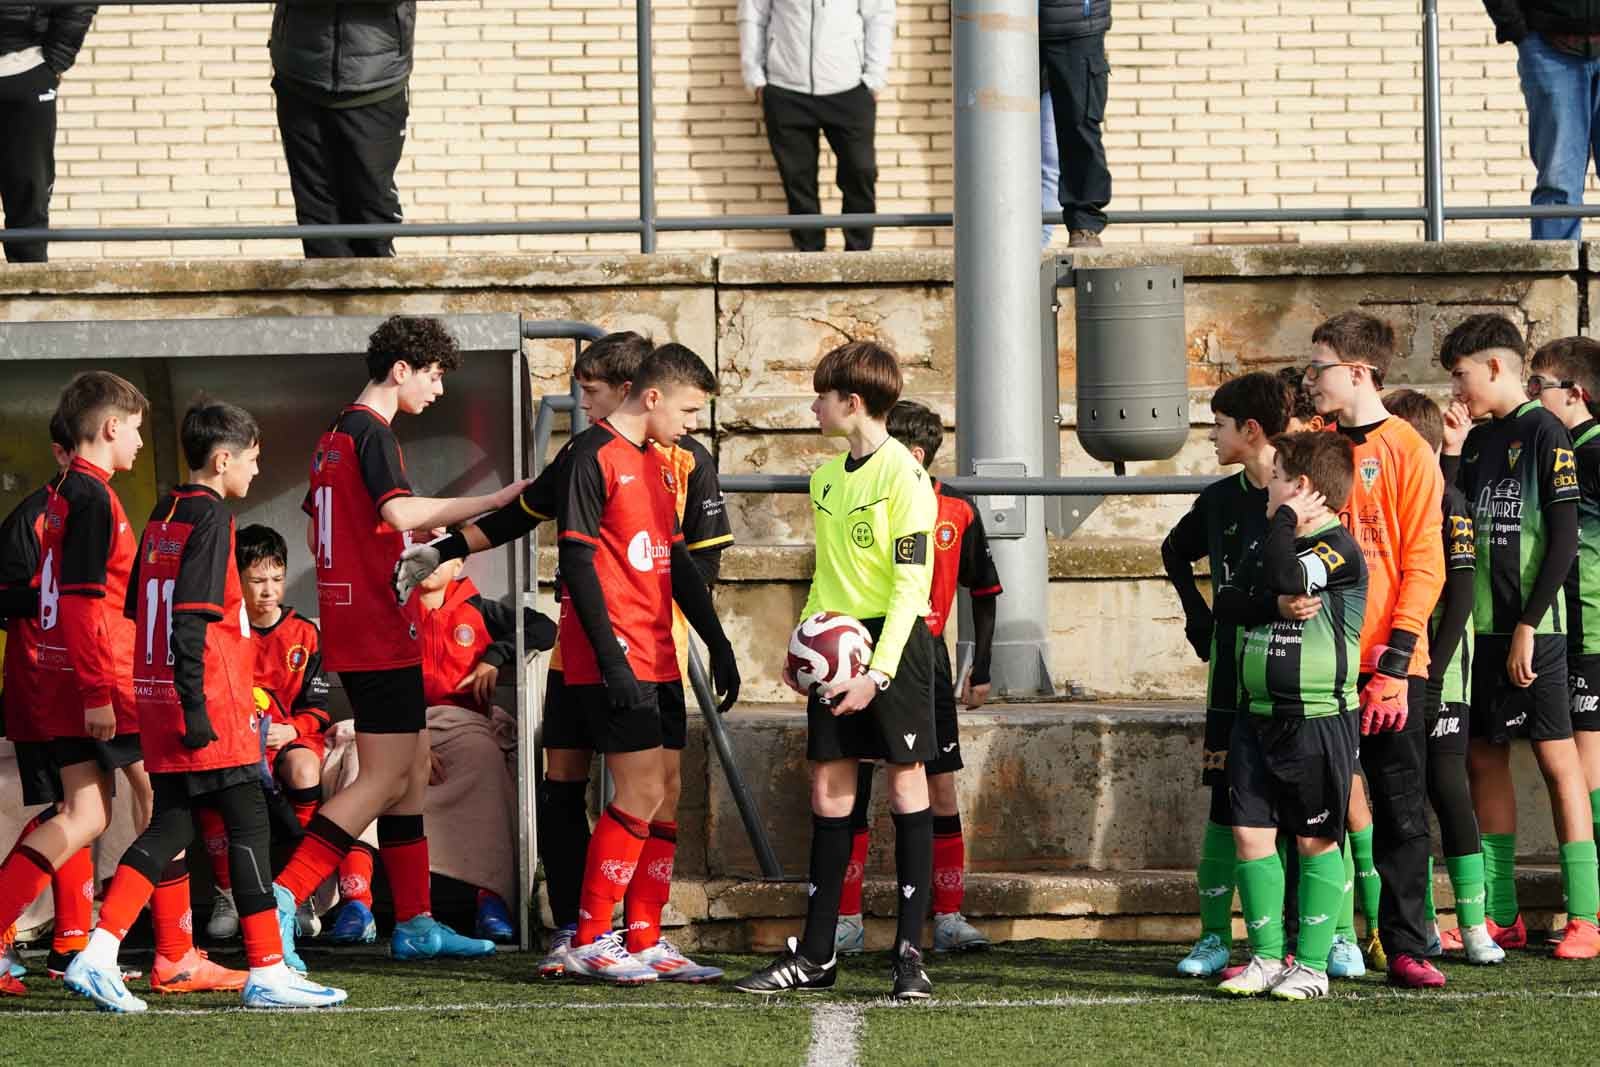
{"points": [[102, 949], [273, 972]]}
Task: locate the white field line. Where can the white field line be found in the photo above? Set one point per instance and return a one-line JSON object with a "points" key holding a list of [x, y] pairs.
{"points": [[810, 1004], [835, 1035]]}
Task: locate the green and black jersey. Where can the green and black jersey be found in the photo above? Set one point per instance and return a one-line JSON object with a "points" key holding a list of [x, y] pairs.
{"points": [[1460, 554], [1583, 583], [1512, 469], [1227, 520], [1294, 669]]}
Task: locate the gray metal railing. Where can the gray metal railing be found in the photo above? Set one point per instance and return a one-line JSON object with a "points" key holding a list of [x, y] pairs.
{"points": [[1432, 213]]}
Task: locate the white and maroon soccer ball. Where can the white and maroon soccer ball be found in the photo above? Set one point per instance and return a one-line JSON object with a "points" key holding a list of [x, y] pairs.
{"points": [[827, 649]]}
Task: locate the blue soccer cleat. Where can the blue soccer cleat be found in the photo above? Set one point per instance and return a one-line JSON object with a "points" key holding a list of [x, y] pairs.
{"points": [[421, 938], [11, 962], [1344, 959], [103, 985], [279, 988], [1208, 956], [494, 921], [286, 928], [355, 925]]}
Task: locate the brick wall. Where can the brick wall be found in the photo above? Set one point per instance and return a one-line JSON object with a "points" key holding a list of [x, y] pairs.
{"points": [[524, 109]]}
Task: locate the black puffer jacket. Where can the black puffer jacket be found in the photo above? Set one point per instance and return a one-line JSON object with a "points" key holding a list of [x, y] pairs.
{"points": [[1059, 19], [343, 47], [58, 30], [1513, 19]]}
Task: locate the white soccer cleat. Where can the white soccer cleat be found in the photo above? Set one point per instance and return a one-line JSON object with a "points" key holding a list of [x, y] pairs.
{"points": [[1258, 976], [224, 921], [277, 988], [952, 933], [554, 964], [103, 985], [673, 966], [606, 959], [1480, 946], [849, 936], [1300, 982]]}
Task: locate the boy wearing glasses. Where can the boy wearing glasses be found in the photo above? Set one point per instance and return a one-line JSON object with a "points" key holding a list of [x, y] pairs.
{"points": [[1519, 471]]}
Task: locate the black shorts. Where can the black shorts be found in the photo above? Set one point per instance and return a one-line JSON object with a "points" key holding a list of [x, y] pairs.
{"points": [[1293, 774], [1449, 727], [387, 702], [897, 727], [41, 780], [1214, 749], [564, 724], [659, 720], [1502, 711], [1583, 682], [119, 752], [946, 730]]}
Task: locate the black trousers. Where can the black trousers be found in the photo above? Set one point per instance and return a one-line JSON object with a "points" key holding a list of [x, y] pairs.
{"points": [[1395, 765], [341, 167], [1079, 78], [28, 161], [243, 808], [848, 120]]}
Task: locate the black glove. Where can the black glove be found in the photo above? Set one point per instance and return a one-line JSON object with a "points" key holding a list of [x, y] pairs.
{"points": [[1199, 630], [725, 676], [197, 731], [621, 686]]}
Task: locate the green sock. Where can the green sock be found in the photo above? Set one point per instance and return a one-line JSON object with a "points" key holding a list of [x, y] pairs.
{"points": [[1214, 879], [1579, 869], [1466, 881], [1367, 883], [1321, 897], [1347, 907], [1261, 900], [1594, 811], [1500, 877], [1431, 913]]}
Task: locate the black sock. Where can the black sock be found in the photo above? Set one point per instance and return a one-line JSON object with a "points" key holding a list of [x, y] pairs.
{"points": [[563, 845], [913, 868], [830, 855], [858, 814]]}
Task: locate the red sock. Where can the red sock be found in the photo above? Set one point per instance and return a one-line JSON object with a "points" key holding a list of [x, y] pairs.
{"points": [[355, 874], [855, 874], [215, 835], [949, 864], [651, 887], [487, 895], [406, 864], [169, 913], [23, 877], [318, 856], [73, 891], [262, 946], [614, 849], [305, 803], [124, 901]]}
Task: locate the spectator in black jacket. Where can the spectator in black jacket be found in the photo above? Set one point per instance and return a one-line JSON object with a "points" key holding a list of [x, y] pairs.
{"points": [[340, 73], [1072, 55], [37, 45], [1558, 60]]}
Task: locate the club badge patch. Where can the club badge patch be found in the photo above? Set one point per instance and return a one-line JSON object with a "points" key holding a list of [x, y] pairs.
{"points": [[1369, 472]]}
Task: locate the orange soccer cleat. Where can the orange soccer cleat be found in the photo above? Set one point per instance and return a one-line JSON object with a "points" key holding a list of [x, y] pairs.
{"points": [[195, 973], [1580, 941]]}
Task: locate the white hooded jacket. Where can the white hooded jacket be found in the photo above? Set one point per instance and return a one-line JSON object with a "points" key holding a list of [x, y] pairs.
{"points": [[818, 47]]}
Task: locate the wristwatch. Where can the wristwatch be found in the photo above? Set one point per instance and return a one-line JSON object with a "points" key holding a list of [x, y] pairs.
{"points": [[879, 679]]}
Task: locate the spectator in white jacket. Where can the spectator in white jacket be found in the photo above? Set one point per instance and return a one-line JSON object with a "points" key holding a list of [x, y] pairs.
{"points": [[817, 66]]}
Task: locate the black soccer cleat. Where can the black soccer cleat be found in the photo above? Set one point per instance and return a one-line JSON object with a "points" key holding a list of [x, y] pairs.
{"points": [[790, 973], [910, 980]]}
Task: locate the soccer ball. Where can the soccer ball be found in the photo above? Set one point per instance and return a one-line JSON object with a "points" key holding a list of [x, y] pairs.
{"points": [[826, 649]]}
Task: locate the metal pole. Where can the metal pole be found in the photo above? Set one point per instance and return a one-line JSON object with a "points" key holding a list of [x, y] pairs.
{"points": [[754, 828], [647, 129], [999, 427], [1432, 125]]}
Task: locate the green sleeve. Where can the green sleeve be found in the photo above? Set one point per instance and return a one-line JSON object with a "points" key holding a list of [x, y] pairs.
{"points": [[913, 510], [811, 608]]}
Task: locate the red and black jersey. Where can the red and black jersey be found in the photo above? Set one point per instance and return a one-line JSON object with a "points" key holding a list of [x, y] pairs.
{"points": [[961, 555], [185, 569], [24, 694], [356, 470], [288, 665], [86, 553], [621, 499]]}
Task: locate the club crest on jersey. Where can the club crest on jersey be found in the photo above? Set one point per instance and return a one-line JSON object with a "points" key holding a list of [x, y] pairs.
{"points": [[861, 534], [297, 657], [944, 536], [1513, 453], [1369, 472], [669, 480], [463, 635]]}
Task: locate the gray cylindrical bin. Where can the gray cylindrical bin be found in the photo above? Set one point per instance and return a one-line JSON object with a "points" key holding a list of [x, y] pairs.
{"points": [[1133, 387]]}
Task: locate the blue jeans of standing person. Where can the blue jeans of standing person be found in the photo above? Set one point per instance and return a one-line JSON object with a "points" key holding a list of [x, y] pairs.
{"points": [[1562, 91], [1049, 163]]}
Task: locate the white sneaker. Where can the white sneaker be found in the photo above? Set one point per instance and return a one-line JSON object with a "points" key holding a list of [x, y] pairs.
{"points": [[103, 985], [307, 923], [554, 963], [673, 966], [1480, 946], [277, 987], [1300, 983], [224, 921], [1258, 976], [606, 959], [952, 933]]}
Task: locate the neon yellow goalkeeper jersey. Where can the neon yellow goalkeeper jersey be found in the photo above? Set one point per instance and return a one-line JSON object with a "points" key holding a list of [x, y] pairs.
{"points": [[874, 518]]}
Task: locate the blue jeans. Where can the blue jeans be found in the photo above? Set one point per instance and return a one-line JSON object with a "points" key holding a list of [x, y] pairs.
{"points": [[1563, 96], [1049, 163]]}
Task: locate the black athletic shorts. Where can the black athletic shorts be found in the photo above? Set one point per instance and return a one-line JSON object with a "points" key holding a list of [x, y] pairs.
{"points": [[897, 727], [1449, 727], [562, 724], [1214, 749], [121, 751], [1583, 682], [1293, 774], [946, 730], [41, 780], [1502, 711], [387, 702], [659, 720]]}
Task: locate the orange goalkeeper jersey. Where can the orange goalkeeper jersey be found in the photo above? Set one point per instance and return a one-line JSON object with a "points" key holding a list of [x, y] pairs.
{"points": [[1393, 514]]}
